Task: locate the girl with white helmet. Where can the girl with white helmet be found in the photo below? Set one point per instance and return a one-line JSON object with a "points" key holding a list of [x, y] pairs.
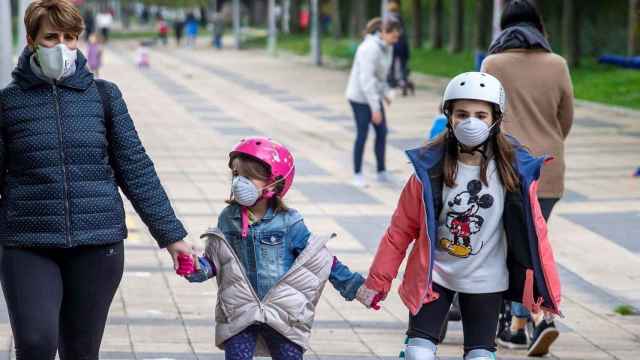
{"points": [[269, 268], [471, 212]]}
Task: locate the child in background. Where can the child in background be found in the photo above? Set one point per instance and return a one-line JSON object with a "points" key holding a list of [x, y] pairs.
{"points": [[270, 270], [163, 30], [142, 56], [94, 54]]}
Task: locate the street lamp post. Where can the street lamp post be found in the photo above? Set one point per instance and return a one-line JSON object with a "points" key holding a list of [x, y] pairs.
{"points": [[316, 46], [273, 39], [6, 41]]}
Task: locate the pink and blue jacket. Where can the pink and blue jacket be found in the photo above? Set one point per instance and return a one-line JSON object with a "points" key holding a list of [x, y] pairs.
{"points": [[533, 277]]}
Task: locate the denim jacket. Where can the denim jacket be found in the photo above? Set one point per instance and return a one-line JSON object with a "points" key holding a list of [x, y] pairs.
{"points": [[272, 246]]}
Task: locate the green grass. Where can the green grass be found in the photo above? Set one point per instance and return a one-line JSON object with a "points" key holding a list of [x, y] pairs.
{"points": [[625, 310], [592, 81]]}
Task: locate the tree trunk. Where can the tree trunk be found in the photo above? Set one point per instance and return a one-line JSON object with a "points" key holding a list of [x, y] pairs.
{"points": [[417, 23], [358, 17], [482, 32], [633, 47], [436, 24], [569, 33], [456, 42], [336, 20], [294, 11]]}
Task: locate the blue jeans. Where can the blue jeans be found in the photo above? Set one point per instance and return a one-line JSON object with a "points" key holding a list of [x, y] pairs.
{"points": [[243, 345], [362, 114], [546, 205]]}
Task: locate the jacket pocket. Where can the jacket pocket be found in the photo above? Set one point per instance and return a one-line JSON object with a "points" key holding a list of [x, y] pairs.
{"points": [[271, 250]]}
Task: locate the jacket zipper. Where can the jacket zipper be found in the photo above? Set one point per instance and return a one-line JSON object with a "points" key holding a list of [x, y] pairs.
{"points": [[64, 168]]}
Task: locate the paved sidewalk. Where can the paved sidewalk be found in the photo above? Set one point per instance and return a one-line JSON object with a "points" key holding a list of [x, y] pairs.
{"points": [[191, 106]]}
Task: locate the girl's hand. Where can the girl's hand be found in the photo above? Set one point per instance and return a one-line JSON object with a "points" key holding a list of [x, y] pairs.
{"points": [[204, 271], [376, 117], [369, 298]]}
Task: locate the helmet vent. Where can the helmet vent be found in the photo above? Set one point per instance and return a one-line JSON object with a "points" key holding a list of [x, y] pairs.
{"points": [[258, 143], [462, 83], [481, 84]]}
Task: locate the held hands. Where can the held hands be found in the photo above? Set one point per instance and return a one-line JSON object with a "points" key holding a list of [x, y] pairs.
{"points": [[199, 271], [177, 248], [369, 298]]}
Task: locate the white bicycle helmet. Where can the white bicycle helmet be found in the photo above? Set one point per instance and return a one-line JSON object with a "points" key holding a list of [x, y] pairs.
{"points": [[475, 86]]}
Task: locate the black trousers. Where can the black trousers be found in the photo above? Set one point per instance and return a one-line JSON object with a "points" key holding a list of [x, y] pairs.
{"points": [[59, 299], [479, 318]]}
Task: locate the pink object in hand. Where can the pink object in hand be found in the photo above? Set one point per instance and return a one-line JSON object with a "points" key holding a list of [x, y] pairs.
{"points": [[376, 299], [186, 265]]}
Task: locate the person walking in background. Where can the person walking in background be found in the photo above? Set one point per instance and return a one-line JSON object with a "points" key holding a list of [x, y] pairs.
{"points": [[68, 144], [163, 30], [368, 88], [191, 30], [217, 23], [540, 115], [178, 29], [94, 54], [399, 70], [104, 22], [89, 24]]}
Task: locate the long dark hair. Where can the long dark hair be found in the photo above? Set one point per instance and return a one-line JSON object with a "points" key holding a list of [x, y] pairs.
{"points": [[498, 146], [521, 11]]}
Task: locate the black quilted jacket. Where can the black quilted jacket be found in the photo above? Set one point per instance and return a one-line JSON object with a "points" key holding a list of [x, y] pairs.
{"points": [[61, 168]]}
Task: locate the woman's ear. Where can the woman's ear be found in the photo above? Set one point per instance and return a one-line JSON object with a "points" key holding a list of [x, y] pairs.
{"points": [[31, 43]]}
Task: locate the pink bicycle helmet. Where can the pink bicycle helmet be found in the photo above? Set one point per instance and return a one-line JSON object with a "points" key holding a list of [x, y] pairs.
{"points": [[276, 156]]}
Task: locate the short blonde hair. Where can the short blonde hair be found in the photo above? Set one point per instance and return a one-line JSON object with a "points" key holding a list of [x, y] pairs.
{"points": [[393, 7], [62, 14]]}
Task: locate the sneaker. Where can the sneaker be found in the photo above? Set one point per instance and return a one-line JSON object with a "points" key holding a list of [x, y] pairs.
{"points": [[358, 181], [544, 335], [383, 177], [512, 340]]}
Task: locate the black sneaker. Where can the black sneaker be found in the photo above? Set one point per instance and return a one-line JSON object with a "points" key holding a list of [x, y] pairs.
{"points": [[511, 340], [544, 334]]}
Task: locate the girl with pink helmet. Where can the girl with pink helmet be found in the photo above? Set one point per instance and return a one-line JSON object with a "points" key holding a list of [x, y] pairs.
{"points": [[269, 268]]}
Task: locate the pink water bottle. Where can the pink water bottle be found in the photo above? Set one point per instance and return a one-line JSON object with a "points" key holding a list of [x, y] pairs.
{"points": [[186, 265]]}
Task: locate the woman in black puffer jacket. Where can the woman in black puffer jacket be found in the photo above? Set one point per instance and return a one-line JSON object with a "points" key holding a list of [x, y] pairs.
{"points": [[66, 147]]}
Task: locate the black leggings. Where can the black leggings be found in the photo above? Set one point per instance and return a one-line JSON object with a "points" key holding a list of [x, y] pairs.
{"points": [[362, 114], [35, 282], [479, 318]]}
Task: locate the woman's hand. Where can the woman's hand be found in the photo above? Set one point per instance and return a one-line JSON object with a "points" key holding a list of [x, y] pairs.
{"points": [[179, 247], [376, 117]]}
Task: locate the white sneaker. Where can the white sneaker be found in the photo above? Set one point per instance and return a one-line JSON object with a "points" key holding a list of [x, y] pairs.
{"points": [[383, 177], [358, 181]]}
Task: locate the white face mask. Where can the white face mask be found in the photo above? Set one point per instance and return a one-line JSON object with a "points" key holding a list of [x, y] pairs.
{"points": [[58, 61], [472, 131], [244, 191]]}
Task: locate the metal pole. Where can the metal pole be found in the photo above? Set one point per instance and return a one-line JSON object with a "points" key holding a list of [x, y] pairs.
{"points": [[383, 8], [273, 35], [286, 16], [316, 46], [22, 31], [6, 41], [236, 24], [498, 5]]}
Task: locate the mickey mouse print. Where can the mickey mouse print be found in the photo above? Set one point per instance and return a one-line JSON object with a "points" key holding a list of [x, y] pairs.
{"points": [[471, 250], [464, 221]]}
